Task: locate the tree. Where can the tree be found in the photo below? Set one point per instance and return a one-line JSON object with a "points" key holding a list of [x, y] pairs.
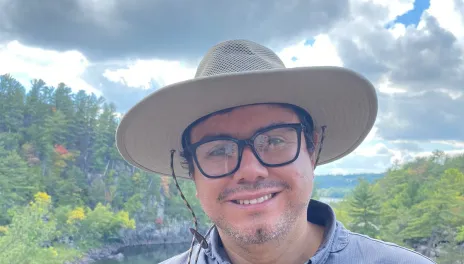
{"points": [[364, 210], [30, 235], [12, 95], [104, 139], [62, 145], [17, 183]]}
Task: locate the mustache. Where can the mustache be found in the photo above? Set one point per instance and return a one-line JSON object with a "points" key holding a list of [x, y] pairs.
{"points": [[253, 187]]}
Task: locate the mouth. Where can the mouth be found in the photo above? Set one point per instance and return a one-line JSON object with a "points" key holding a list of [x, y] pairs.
{"points": [[258, 200]]}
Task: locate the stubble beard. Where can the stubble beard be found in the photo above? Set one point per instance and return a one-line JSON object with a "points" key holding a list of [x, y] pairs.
{"points": [[263, 233]]}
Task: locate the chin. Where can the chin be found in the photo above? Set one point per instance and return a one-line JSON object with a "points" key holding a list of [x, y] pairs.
{"points": [[253, 233], [260, 235]]}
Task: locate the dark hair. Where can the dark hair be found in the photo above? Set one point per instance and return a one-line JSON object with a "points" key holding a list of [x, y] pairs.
{"points": [[304, 117]]}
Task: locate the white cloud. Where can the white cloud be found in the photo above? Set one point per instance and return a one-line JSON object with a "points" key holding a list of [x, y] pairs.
{"points": [[384, 85], [453, 143], [321, 53], [454, 95], [393, 56], [390, 9], [374, 154], [372, 135], [51, 66], [141, 73], [373, 46], [373, 150], [395, 7], [448, 16], [397, 30]]}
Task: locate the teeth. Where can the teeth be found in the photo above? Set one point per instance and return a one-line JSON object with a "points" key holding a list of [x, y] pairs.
{"points": [[255, 201]]}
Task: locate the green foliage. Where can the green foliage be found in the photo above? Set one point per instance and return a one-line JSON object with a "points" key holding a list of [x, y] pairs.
{"points": [[418, 203], [460, 234], [91, 227], [342, 214], [316, 194], [30, 236], [15, 190], [61, 145], [364, 210], [175, 207], [12, 95]]}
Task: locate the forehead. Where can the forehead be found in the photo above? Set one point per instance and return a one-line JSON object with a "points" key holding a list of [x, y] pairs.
{"points": [[242, 122]]}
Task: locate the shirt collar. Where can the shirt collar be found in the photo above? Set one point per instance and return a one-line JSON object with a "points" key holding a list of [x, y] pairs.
{"points": [[335, 235]]}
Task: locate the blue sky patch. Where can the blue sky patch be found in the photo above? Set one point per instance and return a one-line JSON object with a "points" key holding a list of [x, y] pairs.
{"points": [[309, 42], [413, 16]]}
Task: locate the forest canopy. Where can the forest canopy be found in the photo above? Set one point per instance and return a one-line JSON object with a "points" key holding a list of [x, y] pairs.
{"points": [[64, 188]]}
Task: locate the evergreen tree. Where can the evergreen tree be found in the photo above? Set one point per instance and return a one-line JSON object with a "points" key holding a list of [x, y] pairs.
{"points": [[12, 95], [364, 210], [17, 183], [62, 144]]}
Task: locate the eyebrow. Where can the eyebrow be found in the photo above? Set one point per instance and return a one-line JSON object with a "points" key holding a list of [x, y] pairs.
{"points": [[208, 136]]}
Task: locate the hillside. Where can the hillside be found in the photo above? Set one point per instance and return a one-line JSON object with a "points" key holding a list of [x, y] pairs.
{"points": [[64, 189], [337, 186]]}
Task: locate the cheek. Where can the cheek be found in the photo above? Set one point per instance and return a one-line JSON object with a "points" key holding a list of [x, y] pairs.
{"points": [[300, 176], [302, 167], [208, 192]]}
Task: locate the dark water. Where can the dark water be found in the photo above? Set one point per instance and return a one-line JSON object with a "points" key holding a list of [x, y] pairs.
{"points": [[148, 254]]}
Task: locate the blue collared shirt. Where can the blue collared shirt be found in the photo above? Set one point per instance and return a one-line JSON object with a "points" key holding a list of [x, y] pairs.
{"points": [[340, 246]]}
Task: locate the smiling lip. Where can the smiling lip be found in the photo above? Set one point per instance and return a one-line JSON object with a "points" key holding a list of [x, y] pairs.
{"points": [[268, 204], [251, 196]]}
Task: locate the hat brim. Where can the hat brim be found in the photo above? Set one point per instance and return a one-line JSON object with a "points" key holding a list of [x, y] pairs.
{"points": [[342, 100]]}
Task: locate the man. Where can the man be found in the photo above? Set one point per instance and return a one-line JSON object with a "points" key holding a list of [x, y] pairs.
{"points": [[251, 133]]}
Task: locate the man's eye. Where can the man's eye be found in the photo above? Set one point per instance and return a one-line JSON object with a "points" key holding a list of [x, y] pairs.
{"points": [[275, 141], [217, 152], [224, 150]]}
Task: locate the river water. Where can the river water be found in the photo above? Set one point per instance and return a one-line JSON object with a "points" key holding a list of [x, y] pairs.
{"points": [[148, 254]]}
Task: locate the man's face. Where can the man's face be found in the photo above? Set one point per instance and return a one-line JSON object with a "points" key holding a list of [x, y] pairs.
{"points": [[290, 185]]}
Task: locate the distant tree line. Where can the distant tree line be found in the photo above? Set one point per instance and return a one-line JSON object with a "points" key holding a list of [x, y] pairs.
{"points": [[64, 188]]}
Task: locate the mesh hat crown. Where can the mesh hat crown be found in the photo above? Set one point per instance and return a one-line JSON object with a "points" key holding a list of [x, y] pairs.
{"points": [[237, 56]]}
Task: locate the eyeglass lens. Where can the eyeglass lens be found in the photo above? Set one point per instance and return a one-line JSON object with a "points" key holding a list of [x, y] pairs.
{"points": [[272, 147]]}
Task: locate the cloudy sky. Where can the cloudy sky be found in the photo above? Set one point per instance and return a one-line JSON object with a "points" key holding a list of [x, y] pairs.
{"points": [[413, 51]]}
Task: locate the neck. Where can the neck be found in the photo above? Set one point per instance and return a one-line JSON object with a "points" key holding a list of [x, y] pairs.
{"points": [[298, 246]]}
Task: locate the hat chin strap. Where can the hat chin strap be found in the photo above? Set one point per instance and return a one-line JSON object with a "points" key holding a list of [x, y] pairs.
{"points": [[196, 235]]}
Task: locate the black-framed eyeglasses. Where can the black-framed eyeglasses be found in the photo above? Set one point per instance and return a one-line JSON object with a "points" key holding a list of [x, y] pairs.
{"points": [[273, 146]]}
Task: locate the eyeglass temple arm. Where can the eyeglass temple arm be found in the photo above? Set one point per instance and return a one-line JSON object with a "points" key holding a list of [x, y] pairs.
{"points": [[320, 145]]}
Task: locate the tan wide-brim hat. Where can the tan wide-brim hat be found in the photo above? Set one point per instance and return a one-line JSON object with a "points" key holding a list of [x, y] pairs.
{"points": [[239, 72]]}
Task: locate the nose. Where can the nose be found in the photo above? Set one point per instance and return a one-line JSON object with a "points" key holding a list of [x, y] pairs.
{"points": [[250, 169]]}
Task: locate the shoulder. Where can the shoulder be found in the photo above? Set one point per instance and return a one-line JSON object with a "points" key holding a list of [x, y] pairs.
{"points": [[384, 252]]}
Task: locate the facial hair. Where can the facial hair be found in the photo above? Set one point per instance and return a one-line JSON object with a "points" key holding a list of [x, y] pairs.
{"points": [[263, 233]]}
